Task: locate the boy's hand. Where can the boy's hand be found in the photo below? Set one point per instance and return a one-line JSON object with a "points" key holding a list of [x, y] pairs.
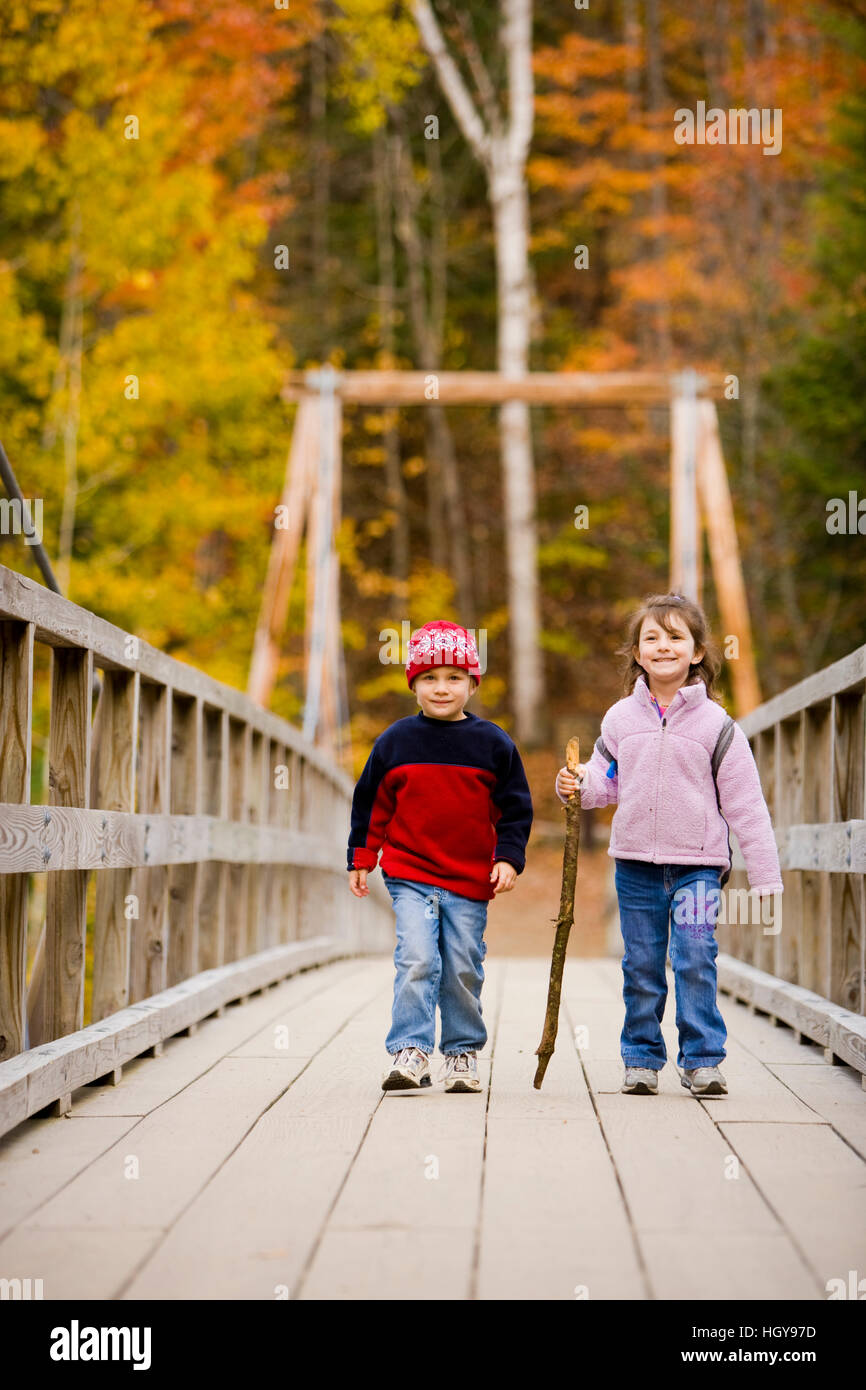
{"points": [[503, 876], [358, 883], [566, 782]]}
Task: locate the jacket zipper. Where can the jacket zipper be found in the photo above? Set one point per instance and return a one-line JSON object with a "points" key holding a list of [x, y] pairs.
{"points": [[658, 788]]}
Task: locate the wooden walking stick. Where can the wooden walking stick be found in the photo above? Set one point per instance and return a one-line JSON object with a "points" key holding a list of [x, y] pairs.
{"points": [[565, 920]]}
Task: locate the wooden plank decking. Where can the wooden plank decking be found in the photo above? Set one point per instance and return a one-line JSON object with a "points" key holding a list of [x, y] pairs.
{"points": [[259, 1159]]}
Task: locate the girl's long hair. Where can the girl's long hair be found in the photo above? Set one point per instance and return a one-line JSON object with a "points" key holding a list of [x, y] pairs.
{"points": [[658, 606]]}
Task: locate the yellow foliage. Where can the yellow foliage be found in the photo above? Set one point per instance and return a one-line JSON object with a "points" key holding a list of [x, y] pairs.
{"points": [[381, 60]]}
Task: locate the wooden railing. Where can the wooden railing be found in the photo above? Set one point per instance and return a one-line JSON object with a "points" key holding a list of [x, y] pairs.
{"points": [[217, 833], [810, 747]]}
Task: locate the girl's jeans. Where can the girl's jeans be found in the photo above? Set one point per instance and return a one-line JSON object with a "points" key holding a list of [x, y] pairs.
{"points": [[439, 954], [684, 898]]}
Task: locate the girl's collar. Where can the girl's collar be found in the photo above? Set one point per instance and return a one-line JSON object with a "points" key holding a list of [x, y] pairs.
{"points": [[691, 694]]}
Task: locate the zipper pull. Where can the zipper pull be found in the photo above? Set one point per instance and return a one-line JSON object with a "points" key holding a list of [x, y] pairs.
{"points": [[664, 720]]}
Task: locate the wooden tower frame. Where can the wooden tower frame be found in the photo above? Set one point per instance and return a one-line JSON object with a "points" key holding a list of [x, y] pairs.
{"points": [[310, 502]]}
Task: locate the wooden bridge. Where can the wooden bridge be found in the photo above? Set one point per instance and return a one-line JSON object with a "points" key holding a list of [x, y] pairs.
{"points": [[189, 1081]]}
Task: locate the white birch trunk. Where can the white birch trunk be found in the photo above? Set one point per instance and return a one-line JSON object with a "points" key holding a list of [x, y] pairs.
{"points": [[511, 229], [502, 148]]}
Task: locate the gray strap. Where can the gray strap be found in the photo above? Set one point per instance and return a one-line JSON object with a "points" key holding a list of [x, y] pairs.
{"points": [[604, 751], [723, 743]]}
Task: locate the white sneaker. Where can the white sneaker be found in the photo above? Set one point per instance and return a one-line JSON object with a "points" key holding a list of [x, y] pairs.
{"points": [[640, 1081], [409, 1071], [460, 1072]]}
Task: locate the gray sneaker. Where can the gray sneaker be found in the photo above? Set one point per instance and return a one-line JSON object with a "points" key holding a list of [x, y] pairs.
{"points": [[409, 1071], [640, 1081], [704, 1081]]}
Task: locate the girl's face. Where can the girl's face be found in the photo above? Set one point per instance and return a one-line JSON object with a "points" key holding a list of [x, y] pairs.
{"points": [[667, 658]]}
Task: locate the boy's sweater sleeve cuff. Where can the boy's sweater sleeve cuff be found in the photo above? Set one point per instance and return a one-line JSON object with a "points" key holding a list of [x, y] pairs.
{"points": [[362, 858]]}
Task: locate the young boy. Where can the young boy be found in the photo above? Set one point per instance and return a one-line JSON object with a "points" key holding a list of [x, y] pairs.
{"points": [[445, 797]]}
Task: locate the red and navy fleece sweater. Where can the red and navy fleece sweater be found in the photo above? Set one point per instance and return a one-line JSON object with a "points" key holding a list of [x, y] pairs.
{"points": [[443, 799]]}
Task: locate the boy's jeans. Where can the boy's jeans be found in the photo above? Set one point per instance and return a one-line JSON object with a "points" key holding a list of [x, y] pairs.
{"points": [[439, 954], [652, 899]]}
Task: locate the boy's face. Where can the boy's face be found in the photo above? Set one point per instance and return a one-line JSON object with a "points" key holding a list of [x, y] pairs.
{"points": [[443, 692], [664, 657]]}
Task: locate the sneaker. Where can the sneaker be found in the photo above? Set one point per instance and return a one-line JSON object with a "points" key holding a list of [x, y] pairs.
{"points": [[704, 1081], [408, 1071], [460, 1072], [640, 1081]]}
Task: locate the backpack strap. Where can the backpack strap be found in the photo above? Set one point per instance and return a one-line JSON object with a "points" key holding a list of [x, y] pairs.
{"points": [[606, 753], [723, 743]]}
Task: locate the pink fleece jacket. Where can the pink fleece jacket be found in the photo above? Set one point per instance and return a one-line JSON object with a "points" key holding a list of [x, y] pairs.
{"points": [[667, 811]]}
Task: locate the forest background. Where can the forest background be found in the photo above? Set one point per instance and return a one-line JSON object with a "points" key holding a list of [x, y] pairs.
{"points": [[151, 249]]}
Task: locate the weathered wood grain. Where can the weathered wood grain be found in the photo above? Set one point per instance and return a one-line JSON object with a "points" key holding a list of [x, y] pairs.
{"points": [[269, 1171], [59, 623], [58, 1067], [69, 785], [114, 790], [187, 798], [16, 720], [835, 1028]]}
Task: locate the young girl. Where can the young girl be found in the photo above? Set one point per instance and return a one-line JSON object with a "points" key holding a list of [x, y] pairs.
{"points": [[669, 839]]}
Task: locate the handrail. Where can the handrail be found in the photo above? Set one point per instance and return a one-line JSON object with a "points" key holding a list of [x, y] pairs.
{"points": [[216, 831], [809, 743]]}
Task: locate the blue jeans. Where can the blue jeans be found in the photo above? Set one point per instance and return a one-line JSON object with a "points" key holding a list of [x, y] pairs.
{"points": [[438, 957], [652, 899]]}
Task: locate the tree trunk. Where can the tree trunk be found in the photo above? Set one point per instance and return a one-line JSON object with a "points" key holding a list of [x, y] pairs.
{"points": [[511, 230], [71, 335], [321, 184], [502, 150], [658, 105], [394, 485], [442, 472]]}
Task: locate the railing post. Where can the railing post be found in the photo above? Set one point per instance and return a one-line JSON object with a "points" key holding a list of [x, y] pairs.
{"points": [[69, 786], [291, 898], [149, 944], [270, 872], [187, 734], [238, 874], [846, 965], [214, 873], [257, 793], [308, 895], [16, 718], [817, 809], [114, 760], [763, 947], [281, 817], [790, 941]]}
